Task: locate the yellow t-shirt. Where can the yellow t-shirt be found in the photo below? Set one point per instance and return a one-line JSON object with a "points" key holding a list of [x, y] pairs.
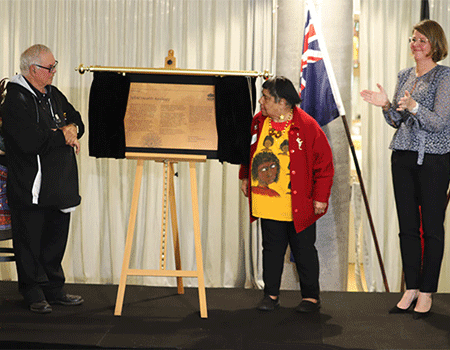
{"points": [[270, 179]]}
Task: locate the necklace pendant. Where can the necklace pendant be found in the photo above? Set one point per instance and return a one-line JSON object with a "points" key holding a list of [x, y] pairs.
{"points": [[275, 133]]}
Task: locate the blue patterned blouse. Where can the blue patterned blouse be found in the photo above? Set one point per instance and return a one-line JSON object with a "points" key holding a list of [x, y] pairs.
{"points": [[429, 130]]}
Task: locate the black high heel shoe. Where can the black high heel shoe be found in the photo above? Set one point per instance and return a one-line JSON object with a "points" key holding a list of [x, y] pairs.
{"points": [[418, 315], [397, 310]]}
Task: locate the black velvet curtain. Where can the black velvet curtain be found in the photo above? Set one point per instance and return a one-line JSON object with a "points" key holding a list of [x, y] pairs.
{"points": [[424, 10], [235, 105], [107, 106]]}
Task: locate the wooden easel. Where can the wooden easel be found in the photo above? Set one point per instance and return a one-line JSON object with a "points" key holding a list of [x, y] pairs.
{"points": [[168, 200]]}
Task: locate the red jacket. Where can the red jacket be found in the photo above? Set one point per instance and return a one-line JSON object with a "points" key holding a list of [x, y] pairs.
{"points": [[311, 167]]}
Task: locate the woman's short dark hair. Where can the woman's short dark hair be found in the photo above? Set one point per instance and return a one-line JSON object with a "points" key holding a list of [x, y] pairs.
{"points": [[435, 34], [280, 87]]}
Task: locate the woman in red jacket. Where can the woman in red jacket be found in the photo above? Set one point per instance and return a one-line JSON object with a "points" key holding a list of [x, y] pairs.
{"points": [[288, 181]]}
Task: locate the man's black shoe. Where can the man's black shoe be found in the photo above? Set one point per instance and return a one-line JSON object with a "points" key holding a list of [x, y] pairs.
{"points": [[68, 300], [41, 307], [308, 306], [268, 304]]}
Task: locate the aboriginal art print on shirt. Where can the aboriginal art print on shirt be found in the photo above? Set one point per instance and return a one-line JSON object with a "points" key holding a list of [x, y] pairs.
{"points": [[270, 175]]}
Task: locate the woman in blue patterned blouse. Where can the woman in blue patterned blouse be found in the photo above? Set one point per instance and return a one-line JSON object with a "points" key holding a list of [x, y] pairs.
{"points": [[420, 162]]}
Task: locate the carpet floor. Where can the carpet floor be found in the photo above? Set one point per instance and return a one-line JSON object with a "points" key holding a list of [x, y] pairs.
{"points": [[159, 318]]}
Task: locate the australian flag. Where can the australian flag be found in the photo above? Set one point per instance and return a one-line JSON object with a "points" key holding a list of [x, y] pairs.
{"points": [[318, 89]]}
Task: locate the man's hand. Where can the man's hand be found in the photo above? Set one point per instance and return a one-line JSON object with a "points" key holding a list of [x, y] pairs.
{"points": [[319, 207], [71, 136], [76, 145]]}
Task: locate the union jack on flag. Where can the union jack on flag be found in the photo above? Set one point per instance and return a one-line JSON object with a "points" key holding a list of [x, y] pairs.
{"points": [[318, 88]]}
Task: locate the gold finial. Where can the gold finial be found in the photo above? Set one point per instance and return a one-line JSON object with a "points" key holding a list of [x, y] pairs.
{"points": [[171, 61]]}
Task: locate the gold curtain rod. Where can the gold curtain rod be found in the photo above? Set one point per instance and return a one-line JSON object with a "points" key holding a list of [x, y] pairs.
{"points": [[177, 71]]}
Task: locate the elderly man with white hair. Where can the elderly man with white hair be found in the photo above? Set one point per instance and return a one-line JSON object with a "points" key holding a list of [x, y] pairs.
{"points": [[41, 131]]}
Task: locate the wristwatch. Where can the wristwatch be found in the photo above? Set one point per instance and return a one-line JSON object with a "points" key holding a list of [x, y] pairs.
{"points": [[78, 129], [415, 109]]}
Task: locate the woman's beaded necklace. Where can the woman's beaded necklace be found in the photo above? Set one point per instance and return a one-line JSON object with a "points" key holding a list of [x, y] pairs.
{"points": [[278, 129]]}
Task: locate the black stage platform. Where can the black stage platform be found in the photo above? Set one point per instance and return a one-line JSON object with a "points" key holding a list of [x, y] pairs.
{"points": [[159, 318]]}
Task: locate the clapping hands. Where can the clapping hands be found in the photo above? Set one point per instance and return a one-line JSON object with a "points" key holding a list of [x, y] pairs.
{"points": [[379, 99], [406, 102]]}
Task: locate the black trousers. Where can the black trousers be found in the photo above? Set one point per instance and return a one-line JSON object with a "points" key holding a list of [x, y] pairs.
{"points": [[276, 236], [39, 240], [426, 186]]}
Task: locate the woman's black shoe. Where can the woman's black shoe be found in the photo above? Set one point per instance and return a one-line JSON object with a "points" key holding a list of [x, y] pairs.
{"points": [[397, 310], [308, 306], [418, 315], [268, 304]]}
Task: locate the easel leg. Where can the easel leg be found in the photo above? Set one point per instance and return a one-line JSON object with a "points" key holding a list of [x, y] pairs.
{"points": [[165, 210], [129, 241], [176, 240], [198, 243]]}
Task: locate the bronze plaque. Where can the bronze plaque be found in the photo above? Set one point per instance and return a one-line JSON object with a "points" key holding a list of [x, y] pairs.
{"points": [[171, 116]]}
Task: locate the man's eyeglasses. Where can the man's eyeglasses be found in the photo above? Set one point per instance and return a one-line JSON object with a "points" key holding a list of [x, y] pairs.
{"points": [[420, 41], [51, 69]]}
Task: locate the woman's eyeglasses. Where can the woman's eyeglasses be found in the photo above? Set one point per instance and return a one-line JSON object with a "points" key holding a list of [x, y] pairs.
{"points": [[419, 41]]}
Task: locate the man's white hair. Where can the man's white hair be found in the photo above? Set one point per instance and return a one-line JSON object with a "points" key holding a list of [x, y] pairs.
{"points": [[31, 56]]}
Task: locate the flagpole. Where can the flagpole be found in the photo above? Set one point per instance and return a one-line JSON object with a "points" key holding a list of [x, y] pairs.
{"points": [[315, 54], [366, 201]]}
